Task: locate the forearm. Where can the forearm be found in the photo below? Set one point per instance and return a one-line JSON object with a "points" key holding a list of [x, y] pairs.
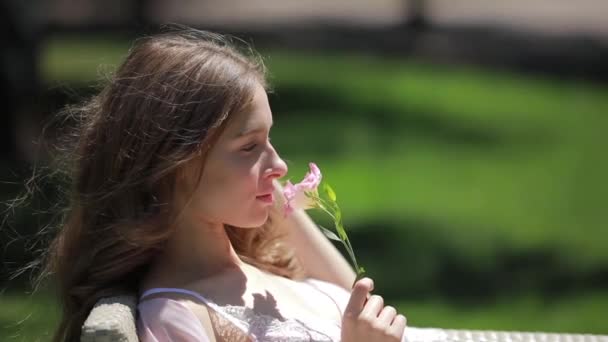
{"points": [[317, 255]]}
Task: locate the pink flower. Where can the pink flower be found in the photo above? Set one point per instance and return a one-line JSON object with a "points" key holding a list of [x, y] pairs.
{"points": [[295, 195]]}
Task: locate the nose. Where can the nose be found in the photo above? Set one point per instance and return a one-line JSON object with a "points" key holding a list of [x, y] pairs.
{"points": [[277, 166]]}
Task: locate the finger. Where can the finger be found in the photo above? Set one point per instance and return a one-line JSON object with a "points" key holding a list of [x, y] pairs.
{"points": [[358, 297], [373, 307], [387, 315], [396, 329]]}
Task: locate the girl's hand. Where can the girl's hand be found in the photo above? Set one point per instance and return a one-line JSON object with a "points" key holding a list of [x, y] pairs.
{"points": [[367, 319]]}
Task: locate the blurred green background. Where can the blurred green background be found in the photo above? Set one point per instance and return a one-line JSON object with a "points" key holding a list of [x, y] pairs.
{"points": [[474, 196]]}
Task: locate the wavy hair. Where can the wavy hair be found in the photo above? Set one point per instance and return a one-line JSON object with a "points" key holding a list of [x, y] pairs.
{"points": [[164, 106]]}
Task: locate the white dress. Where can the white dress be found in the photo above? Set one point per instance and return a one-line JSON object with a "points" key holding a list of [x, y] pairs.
{"points": [[164, 319]]}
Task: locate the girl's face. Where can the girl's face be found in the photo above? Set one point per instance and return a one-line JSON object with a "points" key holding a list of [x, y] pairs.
{"points": [[237, 181]]}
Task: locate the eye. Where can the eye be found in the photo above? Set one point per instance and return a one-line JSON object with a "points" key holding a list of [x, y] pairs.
{"points": [[250, 148]]}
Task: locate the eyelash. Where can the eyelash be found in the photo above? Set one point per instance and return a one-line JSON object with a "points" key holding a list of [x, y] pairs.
{"points": [[252, 147]]}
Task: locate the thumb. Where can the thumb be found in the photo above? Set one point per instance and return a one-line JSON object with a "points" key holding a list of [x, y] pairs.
{"points": [[358, 296]]}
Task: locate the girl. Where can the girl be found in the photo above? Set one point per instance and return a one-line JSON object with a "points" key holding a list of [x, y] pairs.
{"points": [[175, 197]]}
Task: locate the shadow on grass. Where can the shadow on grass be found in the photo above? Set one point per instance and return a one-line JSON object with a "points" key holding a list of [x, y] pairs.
{"points": [[417, 260], [387, 122]]}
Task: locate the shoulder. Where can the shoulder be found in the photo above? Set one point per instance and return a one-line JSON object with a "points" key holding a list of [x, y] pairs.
{"points": [[172, 317]]}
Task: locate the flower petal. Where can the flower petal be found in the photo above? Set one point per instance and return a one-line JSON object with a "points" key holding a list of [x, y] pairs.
{"points": [[312, 179], [295, 195], [289, 192]]}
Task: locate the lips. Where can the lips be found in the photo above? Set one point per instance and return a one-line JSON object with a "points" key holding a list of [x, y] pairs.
{"points": [[268, 198]]}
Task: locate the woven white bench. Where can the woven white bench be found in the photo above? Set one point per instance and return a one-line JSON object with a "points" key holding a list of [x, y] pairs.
{"points": [[113, 319]]}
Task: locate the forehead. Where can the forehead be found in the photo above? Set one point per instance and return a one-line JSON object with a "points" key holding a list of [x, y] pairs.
{"points": [[257, 115]]}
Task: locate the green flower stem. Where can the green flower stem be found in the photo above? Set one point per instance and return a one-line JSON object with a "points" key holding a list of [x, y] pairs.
{"points": [[324, 205]]}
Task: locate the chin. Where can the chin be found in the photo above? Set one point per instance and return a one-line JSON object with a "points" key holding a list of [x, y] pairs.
{"points": [[260, 223], [254, 222]]}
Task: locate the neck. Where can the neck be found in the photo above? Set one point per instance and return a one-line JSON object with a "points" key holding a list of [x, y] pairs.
{"points": [[197, 250]]}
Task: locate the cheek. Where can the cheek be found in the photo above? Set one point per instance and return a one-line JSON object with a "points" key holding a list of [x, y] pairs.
{"points": [[227, 191], [238, 176]]}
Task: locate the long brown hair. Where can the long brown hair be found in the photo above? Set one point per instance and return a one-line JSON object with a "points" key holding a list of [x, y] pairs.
{"points": [[163, 107]]}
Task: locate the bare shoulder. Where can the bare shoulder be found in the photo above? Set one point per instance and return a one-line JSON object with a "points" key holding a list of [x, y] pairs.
{"points": [[225, 286]]}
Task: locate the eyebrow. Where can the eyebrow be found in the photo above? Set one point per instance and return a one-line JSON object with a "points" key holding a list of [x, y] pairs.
{"points": [[252, 131]]}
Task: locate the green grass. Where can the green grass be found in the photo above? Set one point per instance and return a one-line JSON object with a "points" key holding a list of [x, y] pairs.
{"points": [[500, 155], [71, 60], [572, 314], [27, 318]]}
